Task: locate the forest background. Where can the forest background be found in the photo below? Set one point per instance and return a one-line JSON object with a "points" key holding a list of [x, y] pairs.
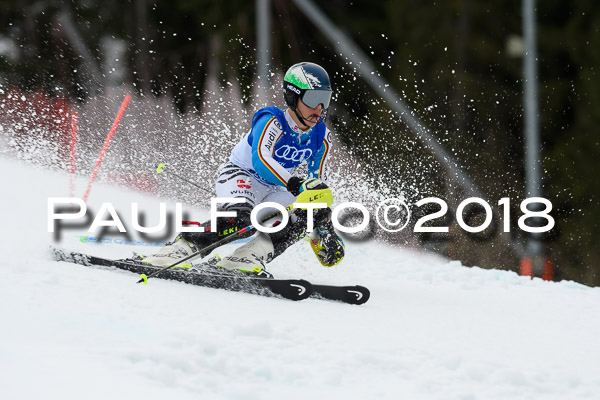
{"points": [[458, 64]]}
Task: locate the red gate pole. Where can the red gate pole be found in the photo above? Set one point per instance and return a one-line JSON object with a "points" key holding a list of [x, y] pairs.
{"points": [[111, 133]]}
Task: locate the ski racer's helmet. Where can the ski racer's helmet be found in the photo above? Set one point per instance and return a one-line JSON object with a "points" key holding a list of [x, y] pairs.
{"points": [[309, 82]]}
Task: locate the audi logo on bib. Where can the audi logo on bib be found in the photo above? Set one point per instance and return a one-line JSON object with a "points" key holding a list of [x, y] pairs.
{"points": [[293, 154]]}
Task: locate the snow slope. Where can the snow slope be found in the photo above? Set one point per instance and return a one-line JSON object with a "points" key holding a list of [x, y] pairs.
{"points": [[433, 329]]}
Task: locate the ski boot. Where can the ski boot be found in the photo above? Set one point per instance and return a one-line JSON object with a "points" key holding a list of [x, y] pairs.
{"points": [[173, 251], [250, 258]]}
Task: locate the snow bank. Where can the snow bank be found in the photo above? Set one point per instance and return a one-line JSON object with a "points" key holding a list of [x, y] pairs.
{"points": [[433, 329]]}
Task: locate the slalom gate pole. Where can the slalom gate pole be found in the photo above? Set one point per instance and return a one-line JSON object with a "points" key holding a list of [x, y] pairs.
{"points": [[161, 169], [74, 120], [111, 133]]}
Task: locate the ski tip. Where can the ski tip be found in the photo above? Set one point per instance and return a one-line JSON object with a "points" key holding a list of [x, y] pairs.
{"points": [[361, 293], [144, 279], [160, 168]]}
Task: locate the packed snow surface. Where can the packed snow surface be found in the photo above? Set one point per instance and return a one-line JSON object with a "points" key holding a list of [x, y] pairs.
{"points": [[433, 328]]}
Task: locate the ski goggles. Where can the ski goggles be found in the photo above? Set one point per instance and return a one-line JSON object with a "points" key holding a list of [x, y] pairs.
{"points": [[312, 98]]}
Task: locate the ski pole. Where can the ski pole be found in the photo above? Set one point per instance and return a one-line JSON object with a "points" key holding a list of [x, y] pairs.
{"points": [[161, 167], [209, 248], [309, 196]]}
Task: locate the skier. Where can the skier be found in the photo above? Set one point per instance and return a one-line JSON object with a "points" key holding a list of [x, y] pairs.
{"points": [[260, 169]]}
